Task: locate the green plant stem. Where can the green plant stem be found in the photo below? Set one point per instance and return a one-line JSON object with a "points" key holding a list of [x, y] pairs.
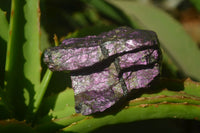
{"points": [[42, 90]]}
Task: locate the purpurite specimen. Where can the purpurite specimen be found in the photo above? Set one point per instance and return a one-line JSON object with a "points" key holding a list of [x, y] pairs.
{"points": [[105, 68]]}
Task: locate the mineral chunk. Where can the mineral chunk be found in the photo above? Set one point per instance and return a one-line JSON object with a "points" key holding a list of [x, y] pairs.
{"points": [[107, 67]]}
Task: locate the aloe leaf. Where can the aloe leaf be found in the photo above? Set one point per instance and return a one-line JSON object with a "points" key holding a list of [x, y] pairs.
{"points": [[55, 104], [60, 110], [65, 98], [32, 44], [151, 111], [163, 104], [23, 55], [164, 101], [3, 26], [174, 40], [3, 41]]}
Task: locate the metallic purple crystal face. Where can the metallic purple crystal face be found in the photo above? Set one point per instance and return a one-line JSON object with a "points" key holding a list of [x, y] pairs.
{"points": [[107, 67]]}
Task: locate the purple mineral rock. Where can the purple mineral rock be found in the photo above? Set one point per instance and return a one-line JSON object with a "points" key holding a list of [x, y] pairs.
{"points": [[107, 67]]}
